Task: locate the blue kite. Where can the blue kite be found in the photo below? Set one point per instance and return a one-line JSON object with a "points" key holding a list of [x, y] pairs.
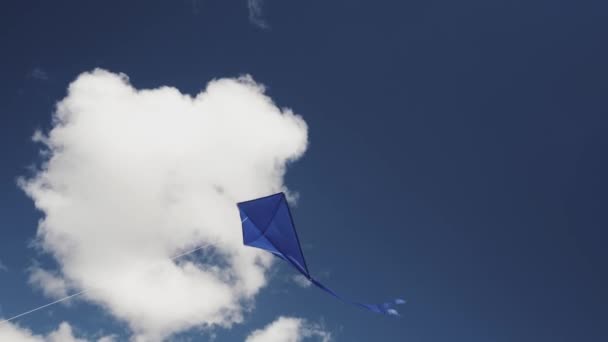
{"points": [[268, 225]]}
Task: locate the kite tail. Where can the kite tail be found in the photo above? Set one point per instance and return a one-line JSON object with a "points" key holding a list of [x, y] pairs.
{"points": [[387, 308]]}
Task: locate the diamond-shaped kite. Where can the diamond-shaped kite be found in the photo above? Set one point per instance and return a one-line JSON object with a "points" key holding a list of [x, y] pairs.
{"points": [[268, 225]]}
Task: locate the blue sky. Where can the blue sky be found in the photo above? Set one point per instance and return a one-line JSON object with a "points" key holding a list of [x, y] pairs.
{"points": [[456, 154]]}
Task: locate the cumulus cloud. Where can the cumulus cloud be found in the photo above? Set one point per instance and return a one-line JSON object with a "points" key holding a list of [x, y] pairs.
{"points": [[14, 333], [256, 15], [10, 332], [289, 329], [63, 334], [132, 177]]}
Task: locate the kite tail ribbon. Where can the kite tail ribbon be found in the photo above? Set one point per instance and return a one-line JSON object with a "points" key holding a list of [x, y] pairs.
{"points": [[387, 308]]}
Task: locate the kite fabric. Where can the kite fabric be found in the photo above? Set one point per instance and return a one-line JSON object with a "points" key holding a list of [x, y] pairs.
{"points": [[268, 225]]}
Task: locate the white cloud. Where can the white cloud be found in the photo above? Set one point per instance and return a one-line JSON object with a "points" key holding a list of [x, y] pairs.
{"points": [[132, 177], [107, 339], [10, 332], [52, 285], [63, 334], [256, 15], [3, 267], [301, 280], [14, 333], [288, 329]]}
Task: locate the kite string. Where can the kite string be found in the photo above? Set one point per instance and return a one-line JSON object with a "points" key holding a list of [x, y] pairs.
{"points": [[42, 307], [83, 291]]}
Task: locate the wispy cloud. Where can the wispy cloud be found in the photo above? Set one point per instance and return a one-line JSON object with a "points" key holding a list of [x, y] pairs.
{"points": [[3, 267], [38, 74], [301, 280], [256, 14], [195, 6], [51, 284]]}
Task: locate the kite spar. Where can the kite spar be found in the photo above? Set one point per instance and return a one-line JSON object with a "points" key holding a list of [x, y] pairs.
{"points": [[268, 225]]}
